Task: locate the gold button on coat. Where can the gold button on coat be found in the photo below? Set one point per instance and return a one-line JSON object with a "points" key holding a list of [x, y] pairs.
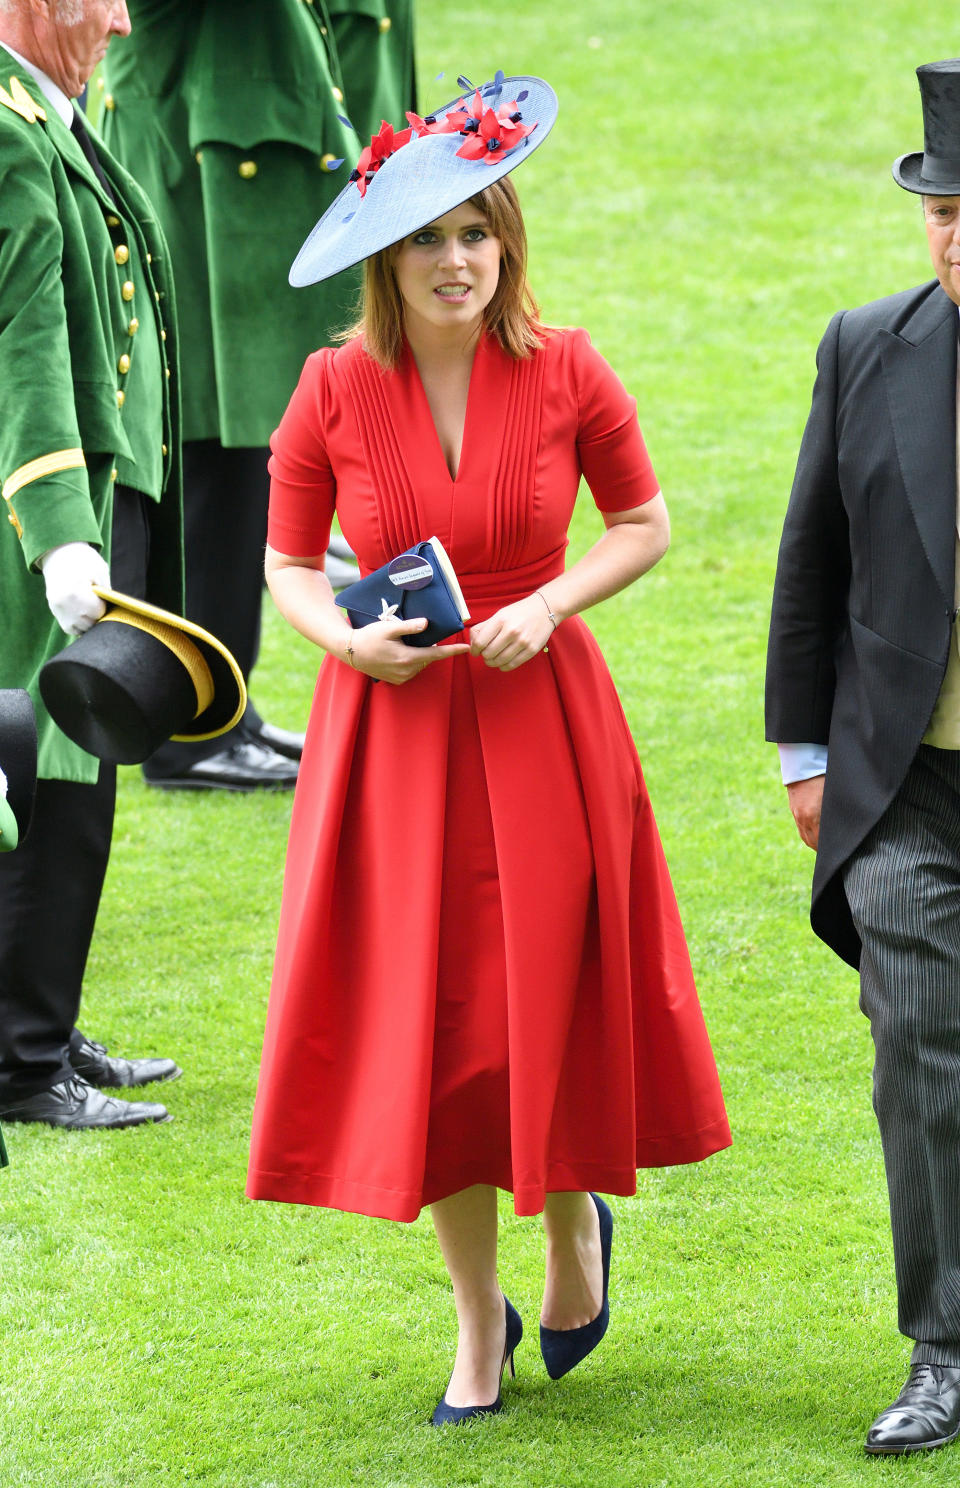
{"points": [[109, 102], [163, 335], [134, 326], [385, 23], [121, 397], [247, 169], [123, 364], [121, 253], [114, 473], [127, 290], [326, 162], [163, 449], [338, 95], [198, 156], [113, 221]]}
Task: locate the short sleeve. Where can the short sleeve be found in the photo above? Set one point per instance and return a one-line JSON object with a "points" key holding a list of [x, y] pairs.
{"points": [[613, 456], [302, 487]]}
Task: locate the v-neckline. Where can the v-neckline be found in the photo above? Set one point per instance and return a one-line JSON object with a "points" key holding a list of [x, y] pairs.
{"points": [[468, 412]]}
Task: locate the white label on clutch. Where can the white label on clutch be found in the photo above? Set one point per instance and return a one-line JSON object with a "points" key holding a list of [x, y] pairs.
{"points": [[409, 573]]}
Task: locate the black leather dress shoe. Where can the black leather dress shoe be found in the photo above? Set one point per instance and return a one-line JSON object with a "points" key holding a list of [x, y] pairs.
{"points": [[94, 1065], [283, 741], [245, 766], [925, 1414], [78, 1106]]}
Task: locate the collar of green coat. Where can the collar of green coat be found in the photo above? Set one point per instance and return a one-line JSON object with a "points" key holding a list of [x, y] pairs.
{"points": [[15, 81], [68, 149]]}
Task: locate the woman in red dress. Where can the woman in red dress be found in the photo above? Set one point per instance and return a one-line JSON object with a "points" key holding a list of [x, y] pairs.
{"points": [[481, 978]]}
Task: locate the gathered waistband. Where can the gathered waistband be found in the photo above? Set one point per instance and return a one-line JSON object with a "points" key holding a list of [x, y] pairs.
{"points": [[487, 592]]}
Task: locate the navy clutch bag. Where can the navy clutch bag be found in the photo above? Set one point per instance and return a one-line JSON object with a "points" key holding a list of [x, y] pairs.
{"points": [[420, 582]]}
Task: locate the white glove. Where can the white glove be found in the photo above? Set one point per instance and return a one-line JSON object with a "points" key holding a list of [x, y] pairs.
{"points": [[3, 786], [69, 573]]}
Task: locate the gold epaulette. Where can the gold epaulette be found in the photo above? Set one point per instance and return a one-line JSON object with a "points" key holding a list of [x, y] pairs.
{"points": [[20, 101]]}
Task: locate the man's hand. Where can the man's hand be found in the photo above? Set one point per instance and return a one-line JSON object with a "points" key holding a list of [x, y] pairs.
{"points": [[69, 574], [806, 798]]}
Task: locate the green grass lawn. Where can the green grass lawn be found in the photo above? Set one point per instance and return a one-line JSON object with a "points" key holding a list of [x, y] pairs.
{"points": [[717, 185]]}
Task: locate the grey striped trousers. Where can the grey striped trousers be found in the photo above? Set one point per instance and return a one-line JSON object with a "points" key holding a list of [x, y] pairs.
{"points": [[903, 886]]}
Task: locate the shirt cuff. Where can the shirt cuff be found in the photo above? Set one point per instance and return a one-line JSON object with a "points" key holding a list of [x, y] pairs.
{"points": [[802, 761]]}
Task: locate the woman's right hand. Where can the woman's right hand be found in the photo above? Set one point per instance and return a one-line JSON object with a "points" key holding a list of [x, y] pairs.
{"points": [[379, 651]]}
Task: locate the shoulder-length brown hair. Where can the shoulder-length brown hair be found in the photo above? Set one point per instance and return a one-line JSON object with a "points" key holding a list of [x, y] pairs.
{"points": [[512, 316]]}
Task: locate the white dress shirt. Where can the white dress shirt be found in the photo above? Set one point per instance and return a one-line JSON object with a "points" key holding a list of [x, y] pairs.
{"points": [[55, 96]]}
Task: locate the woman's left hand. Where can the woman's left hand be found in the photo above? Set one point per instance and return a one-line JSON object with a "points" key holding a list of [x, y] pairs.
{"points": [[513, 635]]}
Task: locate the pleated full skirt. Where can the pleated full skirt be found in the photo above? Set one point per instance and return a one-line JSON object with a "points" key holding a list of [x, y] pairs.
{"points": [[481, 974]]}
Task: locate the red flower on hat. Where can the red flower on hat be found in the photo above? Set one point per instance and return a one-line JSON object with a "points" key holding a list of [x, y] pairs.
{"points": [[490, 134], [382, 145], [433, 125]]}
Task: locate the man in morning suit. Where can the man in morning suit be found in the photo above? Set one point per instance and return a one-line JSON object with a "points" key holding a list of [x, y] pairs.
{"points": [[90, 480], [863, 698], [235, 116]]}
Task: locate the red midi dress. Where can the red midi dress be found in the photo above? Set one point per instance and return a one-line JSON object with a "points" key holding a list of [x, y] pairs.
{"points": [[481, 974]]}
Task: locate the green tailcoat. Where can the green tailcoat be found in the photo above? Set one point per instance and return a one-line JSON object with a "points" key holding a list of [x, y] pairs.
{"points": [[231, 114], [375, 47], [88, 381]]}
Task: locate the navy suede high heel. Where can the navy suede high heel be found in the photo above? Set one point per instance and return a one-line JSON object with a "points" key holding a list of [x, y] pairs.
{"points": [[564, 1348], [453, 1415]]}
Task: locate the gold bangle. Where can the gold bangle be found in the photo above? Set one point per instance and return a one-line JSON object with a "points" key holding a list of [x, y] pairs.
{"points": [[546, 601]]}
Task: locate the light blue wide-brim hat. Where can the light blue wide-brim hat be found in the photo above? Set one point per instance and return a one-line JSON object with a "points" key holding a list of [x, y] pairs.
{"points": [[420, 182]]}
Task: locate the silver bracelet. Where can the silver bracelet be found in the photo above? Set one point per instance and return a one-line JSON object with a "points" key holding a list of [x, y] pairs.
{"points": [[546, 601]]}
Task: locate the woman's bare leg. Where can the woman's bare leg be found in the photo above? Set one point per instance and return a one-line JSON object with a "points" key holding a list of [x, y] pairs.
{"points": [[466, 1226], [573, 1289]]}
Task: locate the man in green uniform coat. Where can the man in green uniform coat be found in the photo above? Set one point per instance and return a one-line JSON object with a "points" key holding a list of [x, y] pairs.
{"points": [[235, 116], [18, 780], [90, 480], [374, 40]]}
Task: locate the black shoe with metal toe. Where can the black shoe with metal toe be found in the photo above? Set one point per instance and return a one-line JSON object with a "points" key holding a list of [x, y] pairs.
{"points": [[926, 1413], [92, 1063], [245, 766], [284, 741], [80, 1107]]}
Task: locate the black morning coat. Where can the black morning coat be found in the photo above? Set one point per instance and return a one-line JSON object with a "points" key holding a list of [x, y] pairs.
{"points": [[864, 597]]}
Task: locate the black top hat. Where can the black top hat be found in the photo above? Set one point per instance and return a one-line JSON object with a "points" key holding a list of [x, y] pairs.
{"points": [[935, 172], [18, 761], [141, 675]]}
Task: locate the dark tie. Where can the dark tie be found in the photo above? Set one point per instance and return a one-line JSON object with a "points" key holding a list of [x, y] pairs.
{"points": [[82, 136]]}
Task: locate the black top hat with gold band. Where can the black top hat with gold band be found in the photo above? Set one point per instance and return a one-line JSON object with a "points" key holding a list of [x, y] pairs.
{"points": [[18, 764], [935, 172], [141, 675]]}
